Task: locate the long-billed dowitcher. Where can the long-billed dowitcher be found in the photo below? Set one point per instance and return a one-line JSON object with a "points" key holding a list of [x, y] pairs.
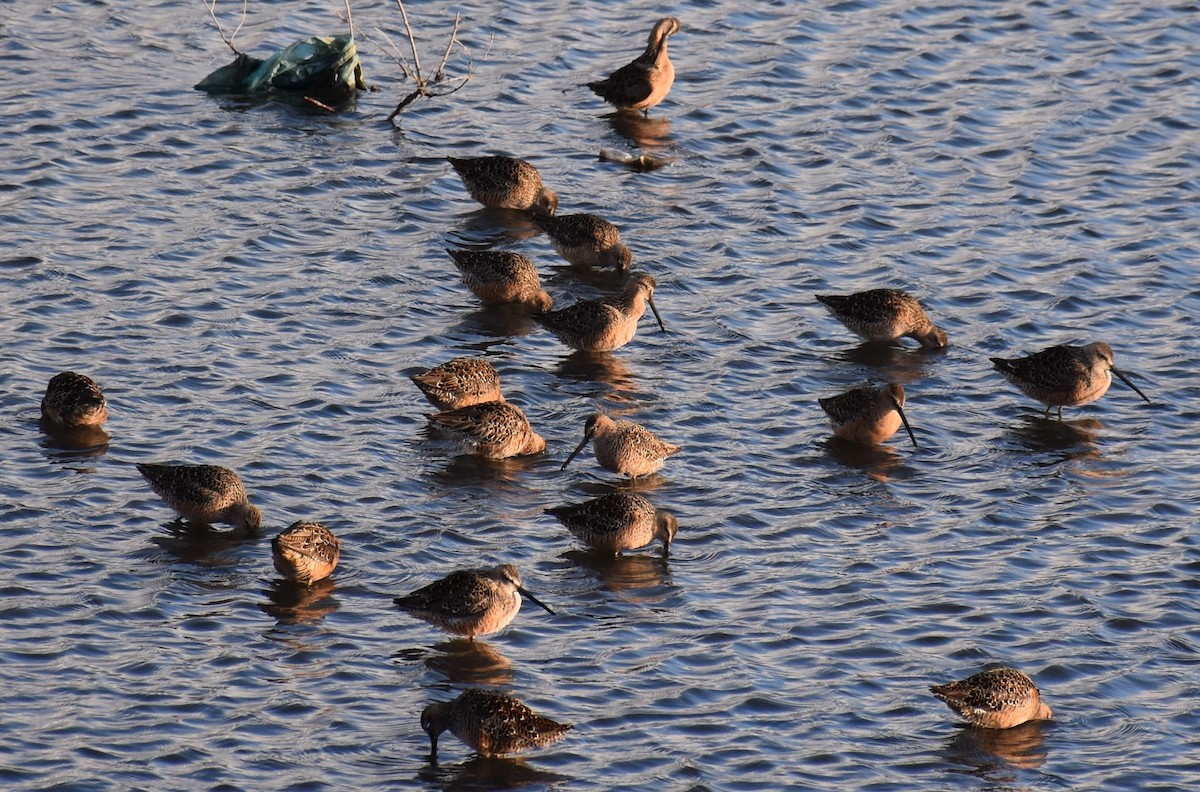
{"points": [[999, 698], [495, 429], [624, 447], [885, 315], [204, 494], [459, 383], [499, 276], [73, 400], [505, 183], [586, 240], [618, 521], [305, 552], [646, 81], [1064, 376], [491, 723], [470, 602], [605, 324], [868, 415]]}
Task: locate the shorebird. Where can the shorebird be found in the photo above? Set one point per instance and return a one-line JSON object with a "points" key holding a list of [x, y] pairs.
{"points": [[646, 81], [73, 400], [868, 415], [624, 447], [470, 602], [505, 183], [498, 276], [605, 324], [305, 552], [1064, 376], [495, 429], [460, 382], [491, 723], [586, 240], [997, 699], [885, 315], [203, 494], [618, 521]]}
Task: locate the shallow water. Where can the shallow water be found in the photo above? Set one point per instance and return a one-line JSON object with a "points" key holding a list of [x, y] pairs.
{"points": [[251, 285]]}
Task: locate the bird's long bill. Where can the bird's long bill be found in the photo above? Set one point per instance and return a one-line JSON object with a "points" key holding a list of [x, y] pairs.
{"points": [[535, 601], [586, 437], [904, 420], [1127, 381], [657, 316]]}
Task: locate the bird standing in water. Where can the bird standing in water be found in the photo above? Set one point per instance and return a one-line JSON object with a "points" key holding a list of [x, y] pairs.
{"points": [[505, 183], [491, 723], [1000, 698], [1064, 376], [646, 81]]}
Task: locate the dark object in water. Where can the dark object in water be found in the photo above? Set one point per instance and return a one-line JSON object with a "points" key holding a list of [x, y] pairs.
{"points": [[324, 67]]}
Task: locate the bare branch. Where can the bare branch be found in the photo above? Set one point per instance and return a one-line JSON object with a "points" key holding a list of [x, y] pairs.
{"points": [[349, 19], [412, 42], [405, 102], [396, 56], [320, 104], [441, 70]]}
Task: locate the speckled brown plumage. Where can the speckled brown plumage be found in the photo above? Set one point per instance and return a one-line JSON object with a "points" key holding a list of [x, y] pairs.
{"points": [[73, 400], [868, 415], [618, 521], [305, 552], [646, 81], [459, 383], [470, 602], [496, 430], [885, 315], [505, 183], [1064, 376], [491, 723], [624, 447], [605, 324], [999, 698], [203, 494], [499, 276], [586, 240]]}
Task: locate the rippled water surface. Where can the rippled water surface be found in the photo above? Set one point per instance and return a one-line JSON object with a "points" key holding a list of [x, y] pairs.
{"points": [[251, 286]]}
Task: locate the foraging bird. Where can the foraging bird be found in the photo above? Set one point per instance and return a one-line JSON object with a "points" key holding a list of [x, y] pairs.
{"points": [[1064, 376], [204, 494], [460, 382], [491, 723], [498, 276], [885, 315], [605, 324], [305, 552], [74, 400], [495, 430], [868, 415], [646, 81], [470, 602], [505, 183], [586, 240], [618, 521], [624, 447], [999, 698]]}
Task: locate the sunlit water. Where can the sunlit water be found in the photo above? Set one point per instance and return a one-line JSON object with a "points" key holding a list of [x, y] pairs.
{"points": [[252, 284]]}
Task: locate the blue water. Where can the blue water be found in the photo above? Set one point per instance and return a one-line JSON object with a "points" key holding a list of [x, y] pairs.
{"points": [[251, 284]]}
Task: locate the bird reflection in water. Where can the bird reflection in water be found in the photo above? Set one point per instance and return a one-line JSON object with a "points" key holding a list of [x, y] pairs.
{"points": [[645, 132], [496, 321], [1066, 440], [495, 228], [485, 773], [291, 602], [607, 374], [76, 443], [200, 544], [464, 662], [894, 363], [994, 751], [636, 578], [473, 470], [879, 462]]}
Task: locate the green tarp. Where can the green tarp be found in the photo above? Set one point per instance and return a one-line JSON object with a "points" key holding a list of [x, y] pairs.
{"points": [[324, 67]]}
